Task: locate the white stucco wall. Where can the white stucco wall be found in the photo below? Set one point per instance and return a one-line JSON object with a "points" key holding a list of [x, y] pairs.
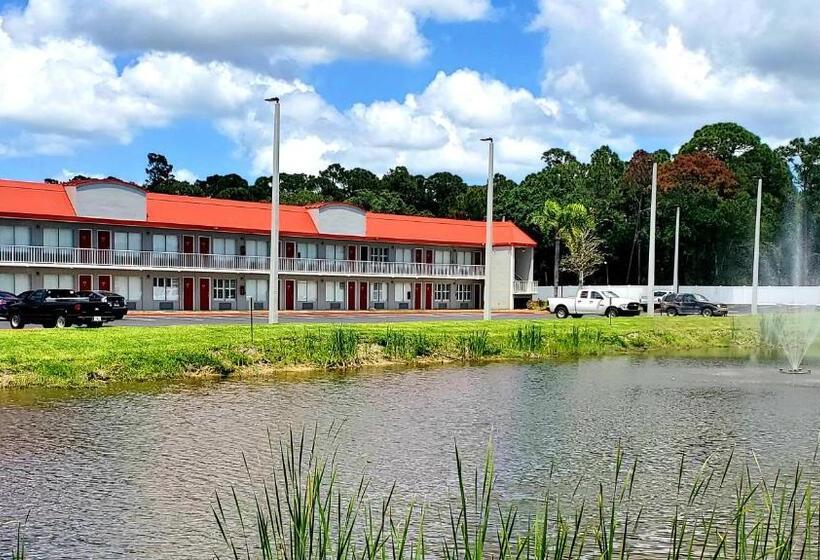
{"points": [[501, 278], [339, 220], [108, 200]]}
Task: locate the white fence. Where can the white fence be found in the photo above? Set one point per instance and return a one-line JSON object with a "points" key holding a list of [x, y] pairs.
{"points": [[733, 295]]}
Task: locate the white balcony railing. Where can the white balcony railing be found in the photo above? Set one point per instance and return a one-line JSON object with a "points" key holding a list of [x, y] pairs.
{"points": [[524, 287], [149, 260]]}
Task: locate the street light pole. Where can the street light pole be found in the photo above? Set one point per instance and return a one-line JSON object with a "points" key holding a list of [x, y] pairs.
{"points": [[273, 287], [756, 262], [650, 276], [606, 265], [675, 284], [488, 242]]}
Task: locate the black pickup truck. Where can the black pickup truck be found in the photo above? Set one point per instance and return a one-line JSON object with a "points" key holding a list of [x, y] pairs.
{"points": [[57, 308]]}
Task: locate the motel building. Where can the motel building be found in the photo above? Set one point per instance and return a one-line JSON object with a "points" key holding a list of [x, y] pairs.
{"points": [[168, 252]]}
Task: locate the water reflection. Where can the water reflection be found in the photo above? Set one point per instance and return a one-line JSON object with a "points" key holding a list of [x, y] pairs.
{"points": [[132, 473]]}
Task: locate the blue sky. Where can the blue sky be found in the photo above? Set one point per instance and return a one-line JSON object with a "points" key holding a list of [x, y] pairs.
{"points": [[92, 88]]}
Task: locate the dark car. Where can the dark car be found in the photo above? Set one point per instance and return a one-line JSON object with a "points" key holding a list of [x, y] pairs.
{"points": [[6, 298], [692, 304], [57, 308], [116, 301]]}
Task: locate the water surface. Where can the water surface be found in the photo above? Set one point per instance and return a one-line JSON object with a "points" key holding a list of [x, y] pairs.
{"points": [[131, 473]]}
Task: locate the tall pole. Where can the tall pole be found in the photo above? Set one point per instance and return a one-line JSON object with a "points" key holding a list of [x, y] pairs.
{"points": [[488, 242], [756, 262], [273, 284], [650, 276], [675, 282]]}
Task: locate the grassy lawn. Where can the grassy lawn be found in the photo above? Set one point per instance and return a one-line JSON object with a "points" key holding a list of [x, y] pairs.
{"points": [[80, 357]]}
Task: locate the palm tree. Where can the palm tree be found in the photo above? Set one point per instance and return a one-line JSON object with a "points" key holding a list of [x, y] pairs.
{"points": [[559, 221]]}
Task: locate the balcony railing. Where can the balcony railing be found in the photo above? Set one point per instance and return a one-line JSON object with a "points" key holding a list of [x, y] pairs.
{"points": [[150, 260], [524, 287]]}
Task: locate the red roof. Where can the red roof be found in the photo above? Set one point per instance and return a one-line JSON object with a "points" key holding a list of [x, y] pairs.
{"points": [[20, 199]]}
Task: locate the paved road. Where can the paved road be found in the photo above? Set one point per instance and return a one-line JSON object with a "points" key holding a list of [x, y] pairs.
{"points": [[234, 318]]}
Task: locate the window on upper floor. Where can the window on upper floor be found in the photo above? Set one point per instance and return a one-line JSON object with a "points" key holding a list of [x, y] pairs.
{"points": [[379, 254], [404, 254], [306, 251], [58, 237], [441, 256], [335, 253], [15, 235], [256, 248], [127, 241], [224, 246], [163, 243]]}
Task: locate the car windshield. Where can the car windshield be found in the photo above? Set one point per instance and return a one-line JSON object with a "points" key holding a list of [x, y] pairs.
{"points": [[609, 294], [700, 297]]}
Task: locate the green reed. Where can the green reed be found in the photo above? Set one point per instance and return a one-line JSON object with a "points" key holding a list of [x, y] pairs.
{"points": [[302, 513]]}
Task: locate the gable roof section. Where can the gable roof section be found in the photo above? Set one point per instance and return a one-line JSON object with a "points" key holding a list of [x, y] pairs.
{"points": [[21, 199]]}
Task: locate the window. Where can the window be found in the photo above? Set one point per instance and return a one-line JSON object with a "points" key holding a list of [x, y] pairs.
{"points": [[442, 292], [583, 295], [378, 254], [224, 246], [129, 287], [403, 254], [224, 289], [378, 292], [441, 257], [335, 252], [256, 248], [464, 292], [15, 235], [58, 282], [165, 243], [596, 295], [404, 291], [15, 283], [257, 289], [306, 251], [306, 290], [166, 289], [335, 292], [466, 257], [58, 237], [127, 241]]}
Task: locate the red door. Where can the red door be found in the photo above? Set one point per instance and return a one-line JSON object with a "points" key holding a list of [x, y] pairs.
{"points": [[187, 243], [188, 292], [205, 294], [85, 239], [84, 282], [104, 282], [351, 295], [290, 289], [205, 245], [428, 256], [103, 240], [417, 256], [290, 250], [428, 296], [362, 295], [417, 295], [351, 252]]}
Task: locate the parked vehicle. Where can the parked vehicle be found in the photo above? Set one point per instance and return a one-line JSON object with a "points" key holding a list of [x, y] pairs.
{"points": [[594, 302], [657, 298], [57, 308], [692, 304], [6, 298], [116, 301]]}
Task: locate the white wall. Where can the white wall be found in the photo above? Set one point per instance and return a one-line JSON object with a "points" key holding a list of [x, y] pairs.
{"points": [[501, 280], [737, 295]]}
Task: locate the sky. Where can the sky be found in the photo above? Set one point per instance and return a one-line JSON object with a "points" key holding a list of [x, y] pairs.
{"points": [[91, 86]]}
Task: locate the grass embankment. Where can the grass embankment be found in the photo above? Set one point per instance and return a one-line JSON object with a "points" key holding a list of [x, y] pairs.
{"points": [[80, 357]]}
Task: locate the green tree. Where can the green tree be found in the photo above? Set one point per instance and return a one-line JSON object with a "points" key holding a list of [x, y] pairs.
{"points": [[585, 255], [561, 222], [158, 171]]}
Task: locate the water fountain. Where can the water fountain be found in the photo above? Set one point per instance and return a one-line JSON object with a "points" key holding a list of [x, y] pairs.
{"points": [[794, 331]]}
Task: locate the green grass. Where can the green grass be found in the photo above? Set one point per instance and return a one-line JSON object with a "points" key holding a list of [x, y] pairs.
{"points": [[80, 357], [720, 511]]}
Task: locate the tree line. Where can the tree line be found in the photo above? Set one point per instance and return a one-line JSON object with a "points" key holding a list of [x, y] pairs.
{"points": [[712, 178]]}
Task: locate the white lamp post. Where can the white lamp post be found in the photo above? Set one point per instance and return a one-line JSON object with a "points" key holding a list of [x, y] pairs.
{"points": [[273, 287], [488, 242], [756, 262], [675, 282], [650, 276]]}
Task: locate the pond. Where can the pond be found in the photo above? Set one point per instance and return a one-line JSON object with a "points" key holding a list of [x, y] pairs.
{"points": [[132, 473]]}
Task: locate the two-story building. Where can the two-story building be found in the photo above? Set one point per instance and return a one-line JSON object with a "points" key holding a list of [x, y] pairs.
{"points": [[168, 252]]}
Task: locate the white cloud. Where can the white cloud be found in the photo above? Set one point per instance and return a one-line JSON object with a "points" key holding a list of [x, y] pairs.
{"points": [[305, 31], [660, 69], [183, 174]]}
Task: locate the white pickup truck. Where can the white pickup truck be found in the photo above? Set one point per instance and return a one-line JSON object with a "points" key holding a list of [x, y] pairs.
{"points": [[594, 302]]}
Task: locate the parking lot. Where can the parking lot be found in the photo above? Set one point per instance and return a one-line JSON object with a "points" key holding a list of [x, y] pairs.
{"points": [[164, 319]]}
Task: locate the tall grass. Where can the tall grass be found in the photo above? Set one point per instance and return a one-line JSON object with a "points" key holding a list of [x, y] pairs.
{"points": [[302, 513]]}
